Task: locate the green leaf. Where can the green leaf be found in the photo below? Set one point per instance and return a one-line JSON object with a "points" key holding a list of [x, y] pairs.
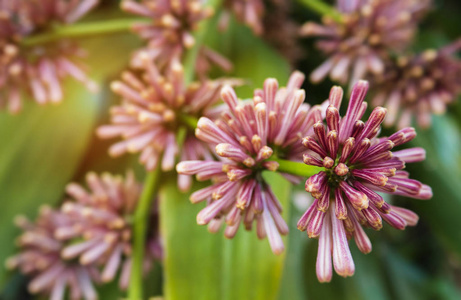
{"points": [[441, 170], [200, 265], [252, 58], [292, 286]]}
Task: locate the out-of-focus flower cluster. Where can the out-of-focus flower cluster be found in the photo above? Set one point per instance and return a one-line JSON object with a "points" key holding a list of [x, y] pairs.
{"points": [[155, 109], [88, 240], [419, 84], [371, 41], [37, 70], [357, 167], [170, 33]]}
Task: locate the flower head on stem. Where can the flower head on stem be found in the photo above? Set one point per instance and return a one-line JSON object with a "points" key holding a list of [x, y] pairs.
{"points": [[418, 86], [39, 69], [369, 32], [245, 138], [40, 258], [154, 109], [102, 221], [357, 165]]}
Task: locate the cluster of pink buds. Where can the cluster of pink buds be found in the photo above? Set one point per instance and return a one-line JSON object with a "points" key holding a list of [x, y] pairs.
{"points": [[245, 138], [360, 44], [170, 33], [418, 85], [357, 166], [88, 240], [154, 109], [37, 70], [40, 258]]}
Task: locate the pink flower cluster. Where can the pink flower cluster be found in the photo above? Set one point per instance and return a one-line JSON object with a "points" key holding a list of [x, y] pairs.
{"points": [[357, 167], [88, 240], [38, 70]]}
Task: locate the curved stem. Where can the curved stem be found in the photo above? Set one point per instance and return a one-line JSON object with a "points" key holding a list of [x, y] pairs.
{"points": [[141, 216], [322, 9], [81, 30], [296, 168]]}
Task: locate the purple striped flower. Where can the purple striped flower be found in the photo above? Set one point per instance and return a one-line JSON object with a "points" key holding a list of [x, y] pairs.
{"points": [[357, 165], [101, 230], [244, 139], [419, 86], [153, 111], [38, 70], [40, 258], [362, 43]]}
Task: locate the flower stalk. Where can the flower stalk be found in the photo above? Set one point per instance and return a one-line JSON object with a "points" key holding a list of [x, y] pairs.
{"points": [[151, 184], [81, 30], [322, 9], [296, 168]]}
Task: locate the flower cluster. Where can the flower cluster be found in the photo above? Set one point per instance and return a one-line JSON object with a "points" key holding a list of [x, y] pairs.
{"points": [[88, 239], [170, 32], [419, 85], [358, 165], [40, 258], [38, 70], [246, 138], [362, 42], [154, 109]]}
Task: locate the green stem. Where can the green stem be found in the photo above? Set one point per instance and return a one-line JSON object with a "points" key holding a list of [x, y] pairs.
{"points": [[199, 36], [141, 216], [188, 120], [323, 9], [296, 168], [151, 183], [81, 30]]}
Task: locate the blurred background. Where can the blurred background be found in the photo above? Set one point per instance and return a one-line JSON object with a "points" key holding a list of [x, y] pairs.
{"points": [[44, 148]]}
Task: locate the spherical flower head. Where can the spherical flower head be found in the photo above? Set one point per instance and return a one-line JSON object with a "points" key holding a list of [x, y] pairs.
{"points": [[38, 70], [40, 258], [245, 138], [369, 32], [418, 86], [153, 110], [102, 226], [249, 12], [357, 165], [170, 30]]}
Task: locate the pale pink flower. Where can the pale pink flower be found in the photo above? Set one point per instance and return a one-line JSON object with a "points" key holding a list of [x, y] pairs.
{"points": [[417, 86], [370, 31], [40, 258], [102, 227], [38, 70], [152, 113]]}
